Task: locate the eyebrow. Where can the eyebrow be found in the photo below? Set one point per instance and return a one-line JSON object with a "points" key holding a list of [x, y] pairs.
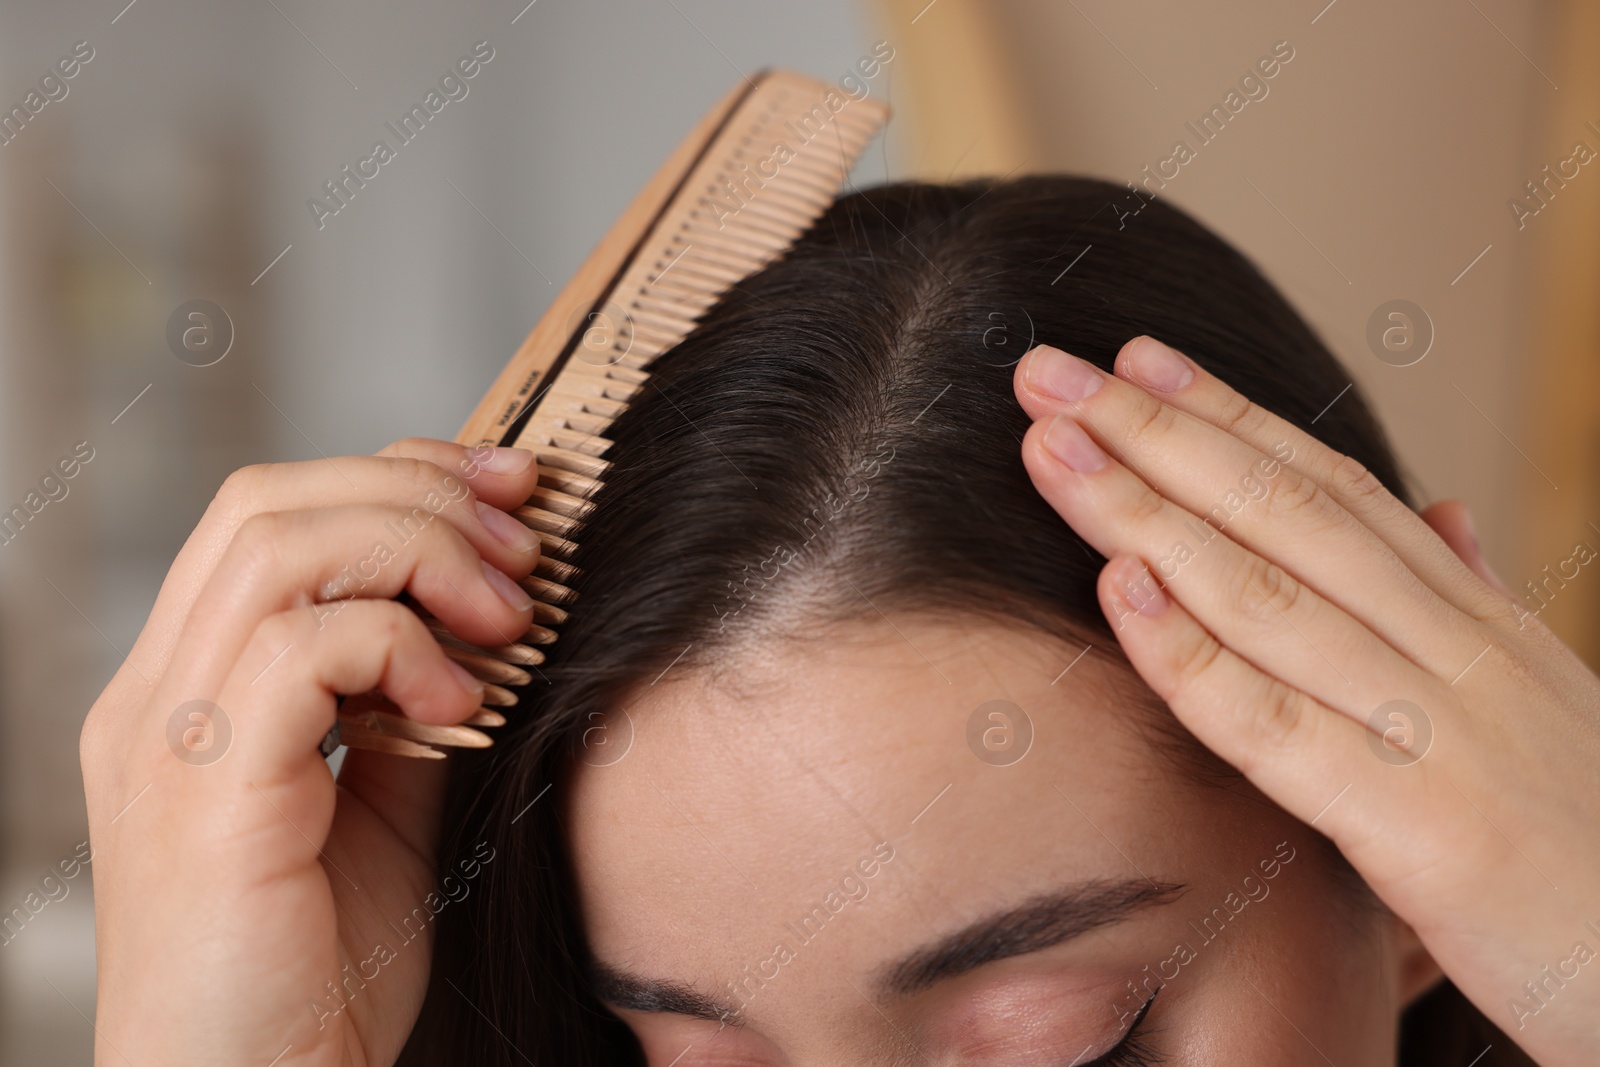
{"points": [[634, 992], [1036, 924]]}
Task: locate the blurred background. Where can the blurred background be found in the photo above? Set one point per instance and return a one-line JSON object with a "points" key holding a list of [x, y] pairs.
{"points": [[1433, 152]]}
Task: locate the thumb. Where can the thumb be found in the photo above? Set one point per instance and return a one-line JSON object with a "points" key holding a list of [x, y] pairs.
{"points": [[1451, 520]]}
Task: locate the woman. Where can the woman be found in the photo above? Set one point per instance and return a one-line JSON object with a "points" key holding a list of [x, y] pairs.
{"points": [[856, 748]]}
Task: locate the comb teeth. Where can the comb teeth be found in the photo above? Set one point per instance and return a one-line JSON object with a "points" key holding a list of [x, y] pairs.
{"points": [[571, 460], [466, 655], [371, 721], [486, 666], [556, 571], [498, 697], [558, 503], [722, 207]]}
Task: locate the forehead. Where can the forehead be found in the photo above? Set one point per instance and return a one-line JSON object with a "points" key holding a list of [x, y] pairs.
{"points": [[903, 776]]}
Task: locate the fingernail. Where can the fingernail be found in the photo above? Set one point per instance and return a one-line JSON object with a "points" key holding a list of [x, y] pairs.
{"points": [[1054, 373], [506, 530], [1154, 365], [509, 591], [1065, 440], [1141, 592], [463, 676], [500, 460]]}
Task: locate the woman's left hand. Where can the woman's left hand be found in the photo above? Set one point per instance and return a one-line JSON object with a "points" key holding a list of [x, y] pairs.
{"points": [[1359, 663]]}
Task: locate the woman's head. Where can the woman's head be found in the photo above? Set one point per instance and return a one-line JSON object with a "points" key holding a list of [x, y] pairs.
{"points": [[843, 763], [812, 847]]}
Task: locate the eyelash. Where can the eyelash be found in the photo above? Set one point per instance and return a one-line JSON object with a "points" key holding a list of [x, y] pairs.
{"points": [[1131, 1051]]}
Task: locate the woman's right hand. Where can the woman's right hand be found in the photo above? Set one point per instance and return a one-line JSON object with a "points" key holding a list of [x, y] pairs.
{"points": [[234, 880]]}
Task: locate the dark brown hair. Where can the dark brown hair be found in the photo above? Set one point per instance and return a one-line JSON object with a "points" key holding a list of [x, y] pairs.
{"points": [[878, 350]]}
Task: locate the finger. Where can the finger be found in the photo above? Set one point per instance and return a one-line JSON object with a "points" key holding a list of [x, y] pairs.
{"points": [[420, 485], [280, 560], [1274, 510], [269, 786], [1255, 607], [501, 477], [1451, 520], [281, 693], [1314, 763], [1209, 398], [431, 477]]}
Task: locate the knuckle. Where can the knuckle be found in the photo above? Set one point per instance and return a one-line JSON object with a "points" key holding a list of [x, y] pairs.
{"points": [[431, 529], [438, 486], [244, 484], [411, 471], [1238, 416], [1145, 506], [1293, 495], [1149, 422], [1196, 660], [1266, 592], [406, 446], [390, 622], [383, 625], [1352, 482], [431, 540], [1521, 664], [1276, 716]]}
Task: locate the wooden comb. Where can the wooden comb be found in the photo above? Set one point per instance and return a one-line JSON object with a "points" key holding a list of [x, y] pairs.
{"points": [[750, 178]]}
